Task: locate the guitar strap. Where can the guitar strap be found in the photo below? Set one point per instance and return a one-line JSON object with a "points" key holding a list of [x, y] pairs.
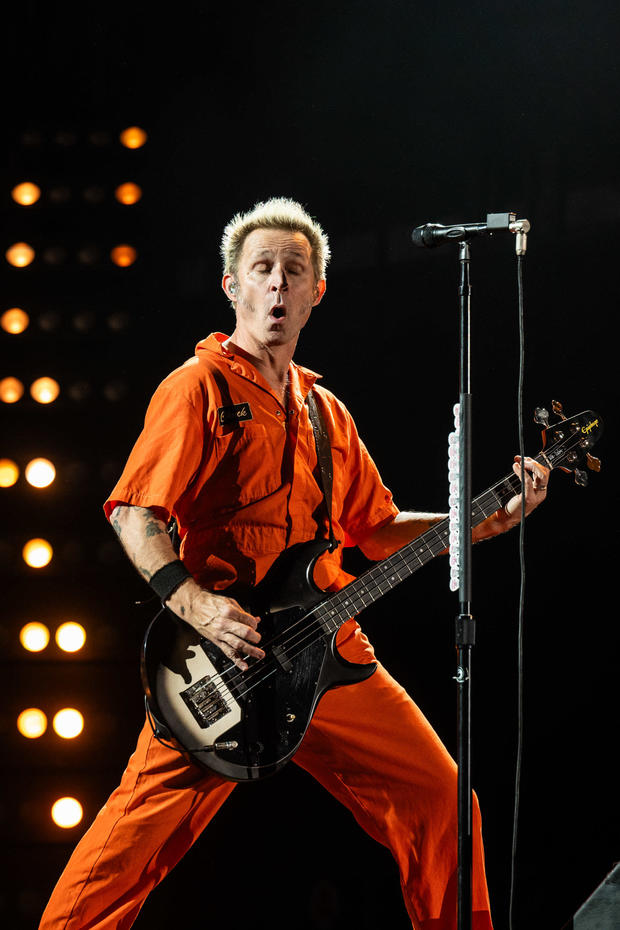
{"points": [[324, 457]]}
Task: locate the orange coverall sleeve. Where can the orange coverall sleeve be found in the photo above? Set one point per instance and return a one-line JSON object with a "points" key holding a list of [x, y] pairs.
{"points": [[166, 455]]}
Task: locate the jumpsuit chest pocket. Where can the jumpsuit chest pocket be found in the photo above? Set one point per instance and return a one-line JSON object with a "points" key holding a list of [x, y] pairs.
{"points": [[248, 463]]}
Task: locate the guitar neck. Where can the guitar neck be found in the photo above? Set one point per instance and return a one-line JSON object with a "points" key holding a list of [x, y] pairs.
{"points": [[385, 575]]}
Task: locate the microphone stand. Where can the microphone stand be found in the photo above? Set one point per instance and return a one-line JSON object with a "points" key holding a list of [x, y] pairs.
{"points": [[430, 235], [465, 626]]}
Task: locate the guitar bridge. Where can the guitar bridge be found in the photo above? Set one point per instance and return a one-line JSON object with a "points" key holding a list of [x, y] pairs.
{"points": [[205, 702]]}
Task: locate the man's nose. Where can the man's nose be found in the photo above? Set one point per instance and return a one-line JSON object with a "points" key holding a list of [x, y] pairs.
{"points": [[278, 278]]}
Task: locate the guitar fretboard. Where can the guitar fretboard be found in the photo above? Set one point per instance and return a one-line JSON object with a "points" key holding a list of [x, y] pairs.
{"points": [[385, 575]]}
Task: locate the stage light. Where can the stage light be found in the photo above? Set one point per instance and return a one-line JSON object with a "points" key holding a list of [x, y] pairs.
{"points": [[32, 723], [70, 636], [9, 473], [11, 390], [26, 194], [88, 255], [54, 255], [133, 137], [99, 137], [128, 193], [65, 137], [123, 255], [44, 390], [59, 195], [93, 194], [20, 254], [40, 473], [84, 321], [48, 321], [80, 391], [118, 321], [37, 553], [34, 636], [115, 391], [68, 723], [14, 321], [67, 812]]}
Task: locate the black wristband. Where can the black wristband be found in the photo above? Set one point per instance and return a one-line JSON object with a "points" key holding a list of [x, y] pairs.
{"points": [[166, 580]]}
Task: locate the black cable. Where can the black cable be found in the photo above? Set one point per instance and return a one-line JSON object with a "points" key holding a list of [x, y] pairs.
{"points": [[519, 758]]}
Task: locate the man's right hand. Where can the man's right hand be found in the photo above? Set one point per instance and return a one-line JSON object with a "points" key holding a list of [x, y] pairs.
{"points": [[219, 619], [216, 617]]}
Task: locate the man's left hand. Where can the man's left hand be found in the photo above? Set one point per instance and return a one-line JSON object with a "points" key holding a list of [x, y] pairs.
{"points": [[536, 482]]}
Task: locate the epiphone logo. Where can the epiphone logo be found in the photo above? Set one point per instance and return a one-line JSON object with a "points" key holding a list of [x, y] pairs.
{"points": [[589, 427], [236, 413]]}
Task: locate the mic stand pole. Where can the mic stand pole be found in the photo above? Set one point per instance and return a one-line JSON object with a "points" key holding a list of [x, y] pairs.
{"points": [[465, 631]]}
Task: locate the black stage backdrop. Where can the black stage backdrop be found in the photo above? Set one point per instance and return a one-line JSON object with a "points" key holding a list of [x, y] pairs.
{"points": [[378, 117]]}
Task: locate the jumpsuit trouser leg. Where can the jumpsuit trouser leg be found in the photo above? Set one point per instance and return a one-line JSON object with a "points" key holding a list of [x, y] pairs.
{"points": [[368, 744]]}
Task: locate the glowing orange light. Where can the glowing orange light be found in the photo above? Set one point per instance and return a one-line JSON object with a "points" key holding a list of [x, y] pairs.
{"points": [[11, 389], [34, 636], [20, 254], [133, 137], [32, 723], [128, 193], [9, 473], [44, 390], [26, 194], [68, 723], [40, 473], [37, 553], [123, 255], [70, 636], [14, 321], [66, 812]]}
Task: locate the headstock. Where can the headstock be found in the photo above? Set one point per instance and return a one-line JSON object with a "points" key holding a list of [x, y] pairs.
{"points": [[567, 442]]}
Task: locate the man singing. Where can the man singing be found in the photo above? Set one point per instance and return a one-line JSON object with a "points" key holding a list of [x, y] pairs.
{"points": [[228, 451]]}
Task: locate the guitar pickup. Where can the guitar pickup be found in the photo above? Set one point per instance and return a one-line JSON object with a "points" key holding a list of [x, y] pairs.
{"points": [[282, 658]]}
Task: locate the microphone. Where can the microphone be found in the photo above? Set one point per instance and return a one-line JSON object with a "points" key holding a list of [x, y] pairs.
{"points": [[430, 235]]}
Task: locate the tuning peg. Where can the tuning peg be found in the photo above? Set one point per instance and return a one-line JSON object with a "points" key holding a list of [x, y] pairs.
{"points": [[592, 462], [558, 409], [541, 416], [581, 477]]}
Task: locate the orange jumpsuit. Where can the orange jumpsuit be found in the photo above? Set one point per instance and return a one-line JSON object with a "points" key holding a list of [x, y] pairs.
{"points": [[238, 471]]}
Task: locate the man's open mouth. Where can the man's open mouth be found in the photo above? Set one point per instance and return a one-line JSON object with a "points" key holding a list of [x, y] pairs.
{"points": [[278, 312]]}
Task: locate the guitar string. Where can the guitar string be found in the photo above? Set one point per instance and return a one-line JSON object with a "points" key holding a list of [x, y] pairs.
{"points": [[308, 632], [314, 631], [263, 670]]}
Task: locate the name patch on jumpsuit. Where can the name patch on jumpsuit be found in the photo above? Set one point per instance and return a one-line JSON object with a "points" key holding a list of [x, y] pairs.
{"points": [[236, 413]]}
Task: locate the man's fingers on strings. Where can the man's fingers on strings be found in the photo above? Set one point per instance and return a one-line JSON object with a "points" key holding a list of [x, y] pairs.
{"points": [[536, 475]]}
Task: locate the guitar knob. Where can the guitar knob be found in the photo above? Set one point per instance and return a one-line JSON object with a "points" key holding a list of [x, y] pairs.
{"points": [[592, 462], [541, 416], [581, 477]]}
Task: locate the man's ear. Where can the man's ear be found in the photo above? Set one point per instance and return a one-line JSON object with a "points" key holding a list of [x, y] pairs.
{"points": [[229, 285], [319, 291]]}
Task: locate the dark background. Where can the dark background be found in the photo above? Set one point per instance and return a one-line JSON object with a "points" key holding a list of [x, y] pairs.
{"points": [[378, 117]]}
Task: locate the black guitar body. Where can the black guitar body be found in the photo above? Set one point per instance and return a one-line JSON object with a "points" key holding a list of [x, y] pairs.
{"points": [[246, 725]]}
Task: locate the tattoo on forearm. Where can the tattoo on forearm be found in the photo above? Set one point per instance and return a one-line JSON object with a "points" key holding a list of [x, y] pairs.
{"points": [[117, 528], [145, 572], [154, 529]]}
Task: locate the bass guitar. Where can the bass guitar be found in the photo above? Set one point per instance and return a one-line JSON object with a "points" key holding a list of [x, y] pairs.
{"points": [[246, 725]]}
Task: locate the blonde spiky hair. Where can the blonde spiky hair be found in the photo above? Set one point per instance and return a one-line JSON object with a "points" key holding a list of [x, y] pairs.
{"points": [[276, 213]]}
